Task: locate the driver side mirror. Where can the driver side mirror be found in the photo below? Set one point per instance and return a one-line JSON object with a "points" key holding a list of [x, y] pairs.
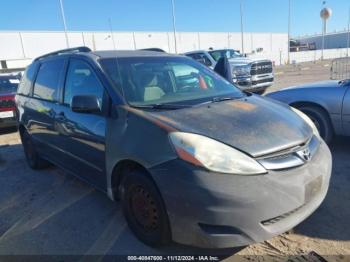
{"points": [[85, 104]]}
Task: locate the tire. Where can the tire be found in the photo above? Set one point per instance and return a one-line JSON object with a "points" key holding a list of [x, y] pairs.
{"points": [[144, 209], [321, 121], [32, 156]]}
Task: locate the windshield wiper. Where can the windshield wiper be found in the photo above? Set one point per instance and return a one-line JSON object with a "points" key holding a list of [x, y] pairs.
{"points": [[218, 99], [162, 106], [222, 98]]}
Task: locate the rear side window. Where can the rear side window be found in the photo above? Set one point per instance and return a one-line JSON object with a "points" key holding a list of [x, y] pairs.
{"points": [[48, 80], [27, 80], [199, 57]]}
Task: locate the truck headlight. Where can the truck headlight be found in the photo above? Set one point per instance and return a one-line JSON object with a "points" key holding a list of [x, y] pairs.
{"points": [[307, 120], [241, 70], [213, 155]]}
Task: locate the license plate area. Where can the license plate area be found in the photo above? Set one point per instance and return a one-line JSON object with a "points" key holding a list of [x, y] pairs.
{"points": [[6, 114]]}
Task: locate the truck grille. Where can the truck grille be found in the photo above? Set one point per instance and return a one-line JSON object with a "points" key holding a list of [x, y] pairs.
{"points": [[265, 80], [261, 68]]}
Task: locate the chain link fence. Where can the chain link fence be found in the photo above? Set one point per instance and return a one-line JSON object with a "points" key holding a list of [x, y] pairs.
{"points": [[340, 68]]}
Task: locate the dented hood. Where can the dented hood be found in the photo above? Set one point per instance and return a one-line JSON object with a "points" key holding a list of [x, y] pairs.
{"points": [[255, 125]]}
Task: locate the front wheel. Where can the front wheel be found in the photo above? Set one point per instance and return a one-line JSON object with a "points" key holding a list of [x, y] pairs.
{"points": [[144, 209]]}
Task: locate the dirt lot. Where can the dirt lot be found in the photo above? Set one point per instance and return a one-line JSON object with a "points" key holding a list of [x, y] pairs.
{"points": [[50, 212]]}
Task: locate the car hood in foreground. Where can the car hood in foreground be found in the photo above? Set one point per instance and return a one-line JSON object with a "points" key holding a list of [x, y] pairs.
{"points": [[253, 124]]}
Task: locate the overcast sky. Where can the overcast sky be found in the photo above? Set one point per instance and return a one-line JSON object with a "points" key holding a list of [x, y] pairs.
{"points": [[155, 15]]}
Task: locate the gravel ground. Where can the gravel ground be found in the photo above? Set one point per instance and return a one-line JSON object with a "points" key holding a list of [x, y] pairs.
{"points": [[302, 73], [52, 213]]}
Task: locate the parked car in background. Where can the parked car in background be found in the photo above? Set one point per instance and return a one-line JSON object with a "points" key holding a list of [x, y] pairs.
{"points": [[249, 74], [8, 88], [191, 157], [327, 104]]}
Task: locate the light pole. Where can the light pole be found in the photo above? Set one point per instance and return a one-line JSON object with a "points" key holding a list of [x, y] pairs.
{"points": [[288, 31], [347, 52], [325, 14], [64, 22], [174, 23], [241, 10], [323, 33], [111, 30]]}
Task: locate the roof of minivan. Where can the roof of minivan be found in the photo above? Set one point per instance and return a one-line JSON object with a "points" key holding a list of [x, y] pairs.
{"points": [[128, 53]]}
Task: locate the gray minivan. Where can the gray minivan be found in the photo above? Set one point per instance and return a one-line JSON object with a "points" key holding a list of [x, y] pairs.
{"points": [[191, 157]]}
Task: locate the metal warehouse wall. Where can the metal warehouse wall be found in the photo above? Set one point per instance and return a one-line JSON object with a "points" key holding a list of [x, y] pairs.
{"points": [[19, 48], [332, 40]]}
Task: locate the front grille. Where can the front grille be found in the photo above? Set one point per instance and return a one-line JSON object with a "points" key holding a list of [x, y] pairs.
{"points": [[274, 220], [261, 68], [292, 157], [266, 80]]}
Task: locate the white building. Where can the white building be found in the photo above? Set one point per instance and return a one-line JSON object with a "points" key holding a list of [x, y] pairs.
{"points": [[17, 49]]}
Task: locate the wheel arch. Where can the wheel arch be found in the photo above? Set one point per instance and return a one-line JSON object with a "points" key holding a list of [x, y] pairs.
{"points": [[120, 169], [316, 105], [300, 104]]}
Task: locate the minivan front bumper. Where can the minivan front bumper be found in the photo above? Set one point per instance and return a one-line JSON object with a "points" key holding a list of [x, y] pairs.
{"points": [[213, 210]]}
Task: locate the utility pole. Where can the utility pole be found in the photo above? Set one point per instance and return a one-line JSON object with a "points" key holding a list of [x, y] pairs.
{"points": [[111, 30], [288, 31], [64, 23], [174, 23], [323, 34], [241, 9], [134, 38], [347, 52]]}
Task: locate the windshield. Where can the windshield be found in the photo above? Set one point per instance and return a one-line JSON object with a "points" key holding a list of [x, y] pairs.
{"points": [[162, 80], [229, 53], [8, 84]]}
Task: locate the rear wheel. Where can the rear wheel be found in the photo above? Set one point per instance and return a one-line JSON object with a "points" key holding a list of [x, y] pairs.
{"points": [[144, 209], [321, 120], [33, 158]]}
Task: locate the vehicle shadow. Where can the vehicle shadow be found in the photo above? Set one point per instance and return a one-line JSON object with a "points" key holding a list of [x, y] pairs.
{"points": [[49, 212], [331, 219], [8, 130]]}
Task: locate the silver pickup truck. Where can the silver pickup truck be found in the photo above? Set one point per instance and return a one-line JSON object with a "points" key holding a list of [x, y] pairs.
{"points": [[249, 74]]}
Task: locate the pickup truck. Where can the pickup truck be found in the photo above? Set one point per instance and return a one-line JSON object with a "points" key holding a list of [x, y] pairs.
{"points": [[249, 74]]}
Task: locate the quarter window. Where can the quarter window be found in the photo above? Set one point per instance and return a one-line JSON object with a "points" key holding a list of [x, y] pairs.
{"points": [[48, 80], [27, 80], [81, 80]]}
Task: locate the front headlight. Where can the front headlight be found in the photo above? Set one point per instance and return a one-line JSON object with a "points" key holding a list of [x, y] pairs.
{"points": [[241, 70], [213, 155], [307, 120]]}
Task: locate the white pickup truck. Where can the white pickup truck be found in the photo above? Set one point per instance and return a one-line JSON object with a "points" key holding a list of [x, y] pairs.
{"points": [[249, 74]]}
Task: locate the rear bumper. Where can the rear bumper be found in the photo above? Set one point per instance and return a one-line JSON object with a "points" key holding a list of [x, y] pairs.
{"points": [[218, 211], [8, 122]]}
